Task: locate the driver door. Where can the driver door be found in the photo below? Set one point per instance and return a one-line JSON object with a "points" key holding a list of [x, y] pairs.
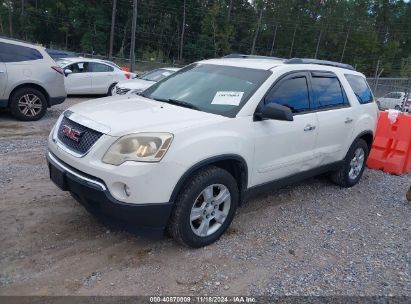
{"points": [[3, 79], [284, 148], [79, 81]]}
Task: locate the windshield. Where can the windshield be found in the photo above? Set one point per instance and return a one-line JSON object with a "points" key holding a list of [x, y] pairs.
{"points": [[156, 75], [210, 88], [62, 63]]}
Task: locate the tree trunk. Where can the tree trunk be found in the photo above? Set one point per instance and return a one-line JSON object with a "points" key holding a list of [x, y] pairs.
{"points": [[214, 39], [182, 31], [10, 19], [230, 7], [256, 31], [1, 25], [113, 21], [273, 43], [345, 45], [318, 43], [133, 38], [123, 41], [292, 42]]}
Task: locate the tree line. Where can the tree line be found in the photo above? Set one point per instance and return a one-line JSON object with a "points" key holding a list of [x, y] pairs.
{"points": [[363, 33]]}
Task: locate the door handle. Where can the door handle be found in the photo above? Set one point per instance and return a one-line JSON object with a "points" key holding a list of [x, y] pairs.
{"points": [[348, 120], [309, 128]]}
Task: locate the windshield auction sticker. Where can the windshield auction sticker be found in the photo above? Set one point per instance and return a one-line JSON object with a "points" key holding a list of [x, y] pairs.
{"points": [[232, 98]]}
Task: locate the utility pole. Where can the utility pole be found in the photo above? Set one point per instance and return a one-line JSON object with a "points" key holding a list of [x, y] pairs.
{"points": [[345, 45], [292, 42], [273, 43], [133, 38], [180, 57], [113, 21]]}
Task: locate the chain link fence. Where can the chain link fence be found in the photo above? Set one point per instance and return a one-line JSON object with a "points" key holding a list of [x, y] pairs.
{"points": [[392, 93]]}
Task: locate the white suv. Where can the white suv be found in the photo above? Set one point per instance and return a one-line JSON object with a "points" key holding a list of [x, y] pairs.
{"points": [[194, 146], [30, 80]]}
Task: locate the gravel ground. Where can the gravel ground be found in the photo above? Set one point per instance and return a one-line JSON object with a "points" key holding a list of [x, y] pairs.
{"points": [[311, 238]]}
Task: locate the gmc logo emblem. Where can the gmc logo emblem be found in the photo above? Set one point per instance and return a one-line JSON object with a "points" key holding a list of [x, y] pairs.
{"points": [[71, 133]]}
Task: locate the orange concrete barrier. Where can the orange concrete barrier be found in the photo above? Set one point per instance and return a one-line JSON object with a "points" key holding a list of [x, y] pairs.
{"points": [[391, 149]]}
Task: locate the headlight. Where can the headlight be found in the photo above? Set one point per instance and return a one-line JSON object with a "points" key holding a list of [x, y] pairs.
{"points": [[142, 147]]}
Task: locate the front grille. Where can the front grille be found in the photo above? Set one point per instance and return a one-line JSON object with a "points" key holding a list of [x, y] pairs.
{"points": [[121, 91], [86, 139]]}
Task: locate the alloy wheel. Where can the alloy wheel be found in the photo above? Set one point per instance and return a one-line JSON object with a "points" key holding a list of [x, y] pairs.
{"points": [[30, 105], [210, 210], [356, 164]]}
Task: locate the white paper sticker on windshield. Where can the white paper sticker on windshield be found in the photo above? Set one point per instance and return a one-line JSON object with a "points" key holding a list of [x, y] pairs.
{"points": [[232, 98]]}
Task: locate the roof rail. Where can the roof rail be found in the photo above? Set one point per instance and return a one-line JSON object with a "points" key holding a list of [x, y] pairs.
{"points": [[320, 62], [251, 56]]}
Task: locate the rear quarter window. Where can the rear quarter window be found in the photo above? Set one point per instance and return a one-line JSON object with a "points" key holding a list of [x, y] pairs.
{"points": [[18, 53], [360, 87]]}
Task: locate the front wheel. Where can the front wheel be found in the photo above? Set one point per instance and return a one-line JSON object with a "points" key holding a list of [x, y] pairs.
{"points": [[204, 208], [353, 165]]}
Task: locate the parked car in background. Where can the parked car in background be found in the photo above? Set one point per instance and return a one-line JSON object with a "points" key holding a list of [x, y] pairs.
{"points": [[393, 100], [187, 151], [138, 85], [30, 80], [91, 76], [58, 54]]}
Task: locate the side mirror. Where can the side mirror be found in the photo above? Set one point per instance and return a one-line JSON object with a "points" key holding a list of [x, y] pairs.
{"points": [[68, 72], [276, 112]]}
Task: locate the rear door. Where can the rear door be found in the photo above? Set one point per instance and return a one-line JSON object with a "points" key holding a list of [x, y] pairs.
{"points": [[284, 148], [79, 81], [335, 117], [101, 77]]}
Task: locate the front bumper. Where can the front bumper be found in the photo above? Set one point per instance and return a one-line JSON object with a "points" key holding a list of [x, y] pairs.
{"points": [[92, 193]]}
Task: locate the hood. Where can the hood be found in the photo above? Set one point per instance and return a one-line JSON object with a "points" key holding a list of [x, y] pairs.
{"points": [[126, 115], [134, 84]]}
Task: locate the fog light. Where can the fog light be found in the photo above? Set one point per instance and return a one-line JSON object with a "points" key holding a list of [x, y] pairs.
{"points": [[127, 190]]}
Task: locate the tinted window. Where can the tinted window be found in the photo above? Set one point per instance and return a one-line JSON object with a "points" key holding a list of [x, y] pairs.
{"points": [[99, 67], [292, 93], [328, 92], [80, 67], [360, 88], [210, 88], [17, 53]]}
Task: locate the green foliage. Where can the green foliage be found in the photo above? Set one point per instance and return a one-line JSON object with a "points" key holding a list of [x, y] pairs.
{"points": [[375, 30]]}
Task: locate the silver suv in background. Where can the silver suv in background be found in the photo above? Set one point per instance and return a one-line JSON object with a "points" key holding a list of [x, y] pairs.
{"points": [[30, 80]]}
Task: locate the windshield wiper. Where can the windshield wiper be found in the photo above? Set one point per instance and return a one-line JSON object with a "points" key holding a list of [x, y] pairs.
{"points": [[176, 102]]}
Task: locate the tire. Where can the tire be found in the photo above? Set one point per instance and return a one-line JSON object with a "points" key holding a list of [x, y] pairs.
{"points": [[110, 89], [28, 104], [347, 176], [397, 107], [194, 194]]}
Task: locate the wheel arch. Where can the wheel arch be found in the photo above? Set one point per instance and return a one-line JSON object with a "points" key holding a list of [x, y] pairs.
{"points": [[367, 136], [33, 86], [234, 164]]}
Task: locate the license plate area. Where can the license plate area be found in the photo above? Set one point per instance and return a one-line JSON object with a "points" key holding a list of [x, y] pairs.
{"points": [[58, 178]]}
